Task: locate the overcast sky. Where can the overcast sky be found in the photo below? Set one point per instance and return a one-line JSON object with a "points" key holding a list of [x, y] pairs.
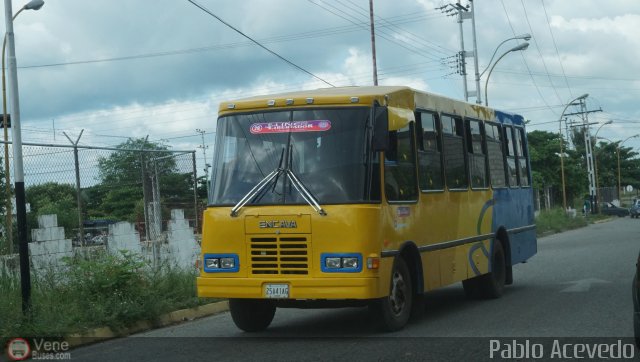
{"points": [[134, 68]]}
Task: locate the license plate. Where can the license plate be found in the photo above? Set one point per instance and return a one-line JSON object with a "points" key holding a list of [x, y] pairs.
{"points": [[276, 291]]}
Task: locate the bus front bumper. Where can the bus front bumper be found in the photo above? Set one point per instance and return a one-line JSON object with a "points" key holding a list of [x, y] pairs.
{"points": [[311, 288]]}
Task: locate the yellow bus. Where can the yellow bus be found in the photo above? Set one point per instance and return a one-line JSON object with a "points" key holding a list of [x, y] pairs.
{"points": [[366, 196]]}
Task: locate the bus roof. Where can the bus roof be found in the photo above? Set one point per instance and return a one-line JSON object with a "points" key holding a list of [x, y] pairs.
{"points": [[392, 96]]}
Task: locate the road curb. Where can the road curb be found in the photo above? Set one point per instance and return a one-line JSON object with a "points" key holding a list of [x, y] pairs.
{"points": [[175, 317], [603, 220]]}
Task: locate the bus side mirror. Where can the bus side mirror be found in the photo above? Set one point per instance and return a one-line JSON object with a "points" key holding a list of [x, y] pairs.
{"points": [[380, 140]]}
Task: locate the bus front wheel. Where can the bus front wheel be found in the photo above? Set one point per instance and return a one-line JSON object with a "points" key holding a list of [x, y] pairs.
{"points": [[252, 315], [489, 285], [392, 312]]}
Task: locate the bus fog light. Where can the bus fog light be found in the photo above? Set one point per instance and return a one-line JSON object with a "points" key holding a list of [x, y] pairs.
{"points": [[333, 263], [351, 263], [227, 263]]}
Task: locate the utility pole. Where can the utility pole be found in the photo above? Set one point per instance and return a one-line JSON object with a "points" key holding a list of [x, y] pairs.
{"points": [[464, 13], [584, 114], [204, 154], [373, 44]]}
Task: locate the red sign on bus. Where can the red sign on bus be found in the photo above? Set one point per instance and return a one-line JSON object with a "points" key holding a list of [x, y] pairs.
{"points": [[285, 127]]}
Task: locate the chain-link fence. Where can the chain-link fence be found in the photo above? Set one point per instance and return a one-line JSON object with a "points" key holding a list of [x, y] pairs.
{"points": [[89, 188]]}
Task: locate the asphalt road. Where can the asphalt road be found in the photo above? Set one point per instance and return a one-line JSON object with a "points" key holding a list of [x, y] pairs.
{"points": [[577, 289]]}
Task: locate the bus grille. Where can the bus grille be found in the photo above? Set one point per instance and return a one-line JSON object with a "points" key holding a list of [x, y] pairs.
{"points": [[279, 255]]}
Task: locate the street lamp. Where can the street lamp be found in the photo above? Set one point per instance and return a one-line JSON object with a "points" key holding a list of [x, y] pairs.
{"points": [[520, 47], [526, 37], [21, 212], [597, 201], [564, 193], [32, 5]]}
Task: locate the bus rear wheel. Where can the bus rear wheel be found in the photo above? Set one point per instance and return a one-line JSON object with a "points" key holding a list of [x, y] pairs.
{"points": [[491, 285], [392, 312], [252, 315]]}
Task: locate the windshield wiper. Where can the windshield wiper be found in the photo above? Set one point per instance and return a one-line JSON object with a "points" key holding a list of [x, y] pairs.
{"points": [[255, 190], [304, 192], [275, 174]]}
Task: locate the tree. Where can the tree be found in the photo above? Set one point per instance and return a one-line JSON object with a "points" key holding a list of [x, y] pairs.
{"points": [[126, 165], [544, 149], [124, 174], [129, 174], [53, 198]]}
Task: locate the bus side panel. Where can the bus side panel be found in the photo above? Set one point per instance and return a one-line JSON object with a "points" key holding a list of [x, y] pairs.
{"points": [[449, 216], [431, 269], [513, 209]]}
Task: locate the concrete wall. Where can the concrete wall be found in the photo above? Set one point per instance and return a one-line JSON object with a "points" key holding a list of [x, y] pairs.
{"points": [[48, 246], [177, 246]]}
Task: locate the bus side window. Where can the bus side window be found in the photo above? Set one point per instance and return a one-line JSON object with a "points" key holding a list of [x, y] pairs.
{"points": [[477, 155], [429, 152], [512, 169], [454, 153], [400, 166], [523, 165], [496, 155]]}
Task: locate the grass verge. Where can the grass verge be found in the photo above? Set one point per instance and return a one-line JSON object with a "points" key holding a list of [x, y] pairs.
{"points": [[556, 221], [101, 290]]}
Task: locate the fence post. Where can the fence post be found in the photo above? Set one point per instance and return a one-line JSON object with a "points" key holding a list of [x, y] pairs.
{"points": [[77, 168], [195, 190]]}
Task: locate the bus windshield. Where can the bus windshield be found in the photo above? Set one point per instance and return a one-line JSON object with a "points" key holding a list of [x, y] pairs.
{"points": [[326, 149]]}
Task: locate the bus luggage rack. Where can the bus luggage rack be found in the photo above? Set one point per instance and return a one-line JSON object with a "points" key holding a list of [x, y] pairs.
{"points": [[280, 255]]}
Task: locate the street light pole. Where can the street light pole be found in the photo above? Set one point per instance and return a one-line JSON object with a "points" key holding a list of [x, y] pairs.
{"points": [[520, 47], [32, 5], [618, 153], [21, 211], [564, 193], [597, 201], [619, 176]]}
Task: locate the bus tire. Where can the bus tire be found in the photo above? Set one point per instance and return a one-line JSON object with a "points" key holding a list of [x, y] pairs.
{"points": [[252, 315], [392, 312], [490, 285]]}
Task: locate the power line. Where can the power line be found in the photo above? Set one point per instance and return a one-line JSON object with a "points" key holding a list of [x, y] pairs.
{"points": [[524, 60], [411, 35], [399, 19], [258, 43], [556, 47], [535, 41], [337, 12]]}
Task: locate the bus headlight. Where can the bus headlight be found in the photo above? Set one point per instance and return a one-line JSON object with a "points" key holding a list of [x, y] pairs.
{"points": [[227, 263], [212, 263], [216, 263], [333, 263], [350, 263], [341, 263]]}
